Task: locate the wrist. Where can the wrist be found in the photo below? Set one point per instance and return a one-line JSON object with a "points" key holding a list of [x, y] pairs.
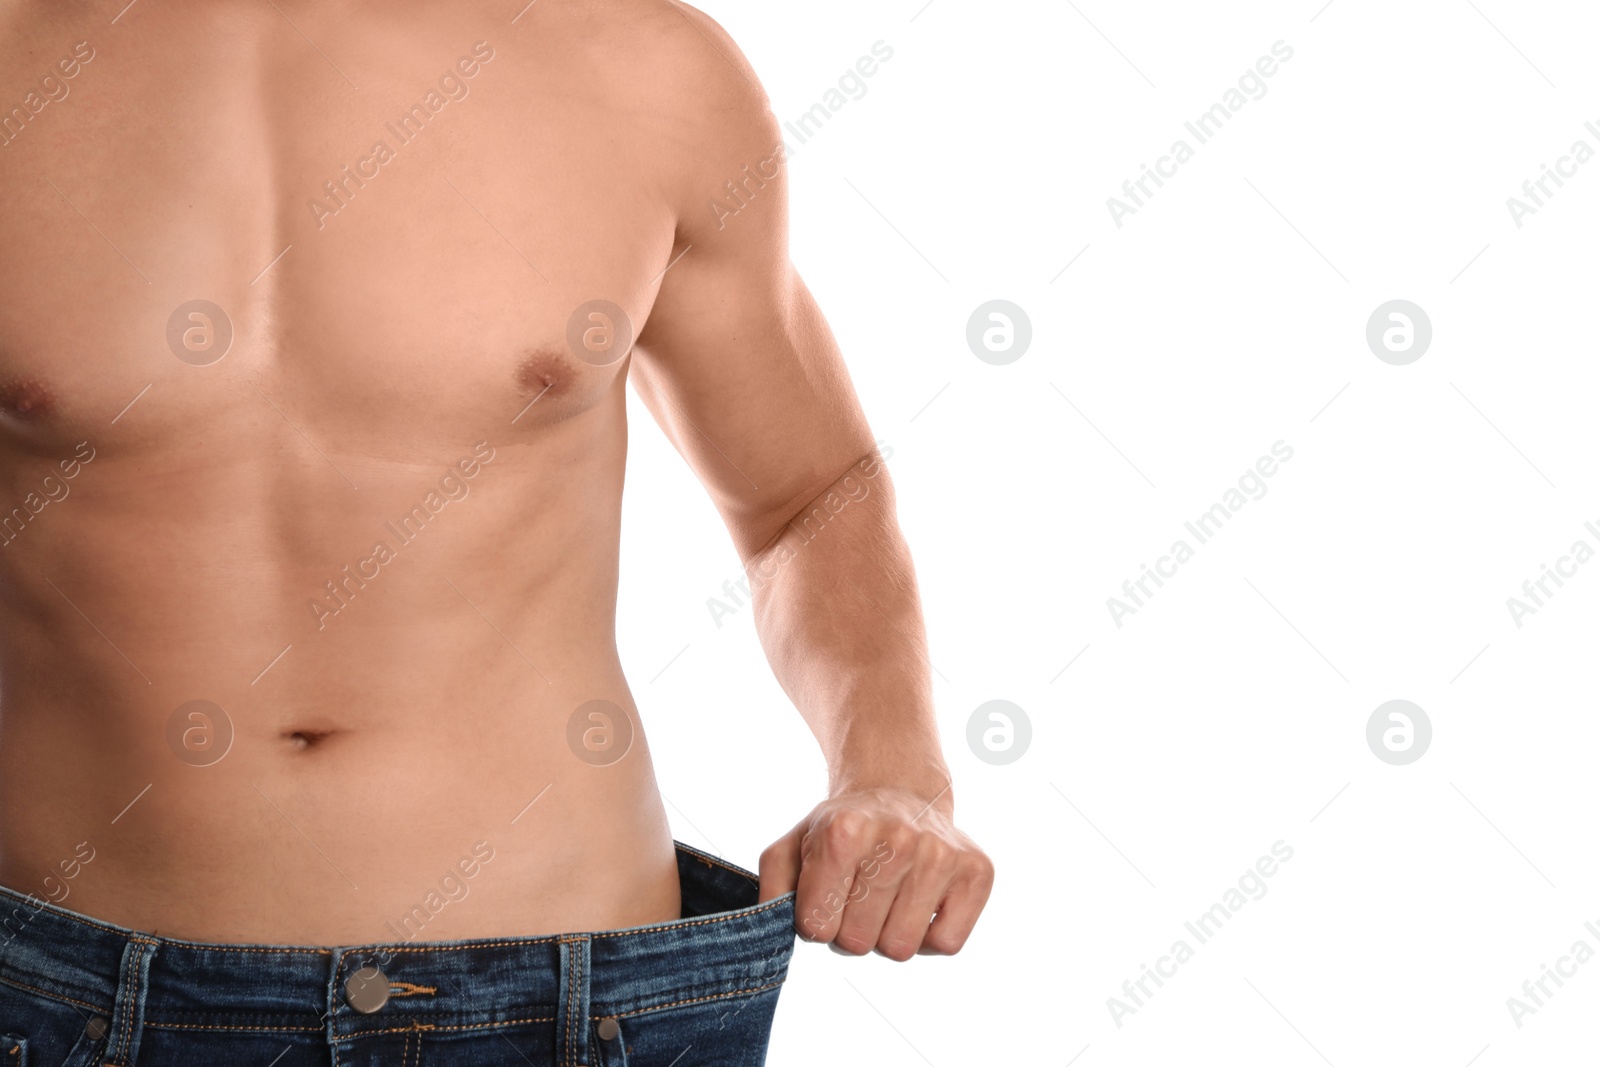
{"points": [[927, 784]]}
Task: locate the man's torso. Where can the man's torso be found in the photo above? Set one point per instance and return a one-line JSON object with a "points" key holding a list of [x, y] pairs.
{"points": [[399, 375]]}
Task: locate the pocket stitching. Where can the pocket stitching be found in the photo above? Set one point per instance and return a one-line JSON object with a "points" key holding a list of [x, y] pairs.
{"points": [[696, 1000]]}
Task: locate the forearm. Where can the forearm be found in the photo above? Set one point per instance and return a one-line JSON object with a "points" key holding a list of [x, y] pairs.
{"points": [[837, 610]]}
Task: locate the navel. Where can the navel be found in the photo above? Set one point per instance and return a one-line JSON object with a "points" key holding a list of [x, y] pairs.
{"points": [[299, 740]]}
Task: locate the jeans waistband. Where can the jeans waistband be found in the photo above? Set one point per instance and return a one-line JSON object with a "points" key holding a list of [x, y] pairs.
{"points": [[724, 944]]}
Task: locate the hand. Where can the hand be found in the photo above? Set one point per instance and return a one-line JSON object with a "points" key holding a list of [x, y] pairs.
{"points": [[873, 867]]}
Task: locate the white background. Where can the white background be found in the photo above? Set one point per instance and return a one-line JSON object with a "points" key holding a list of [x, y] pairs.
{"points": [[1230, 712]]}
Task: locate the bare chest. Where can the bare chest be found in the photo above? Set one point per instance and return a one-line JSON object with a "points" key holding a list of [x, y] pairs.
{"points": [[450, 246]]}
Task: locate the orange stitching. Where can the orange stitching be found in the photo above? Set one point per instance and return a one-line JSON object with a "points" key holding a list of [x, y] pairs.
{"points": [[135, 1009], [60, 912], [442, 1028], [696, 1000], [655, 928], [271, 949], [133, 982], [200, 946], [394, 950], [234, 1029], [99, 1010], [754, 909], [709, 860], [406, 989], [571, 987], [55, 996]]}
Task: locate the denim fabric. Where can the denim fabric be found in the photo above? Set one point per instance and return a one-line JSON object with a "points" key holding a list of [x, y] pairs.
{"points": [[696, 992]]}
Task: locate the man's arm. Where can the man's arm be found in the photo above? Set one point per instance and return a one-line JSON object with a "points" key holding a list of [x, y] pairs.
{"points": [[739, 367]]}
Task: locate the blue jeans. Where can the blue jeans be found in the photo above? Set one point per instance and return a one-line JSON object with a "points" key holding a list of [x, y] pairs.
{"points": [[696, 992]]}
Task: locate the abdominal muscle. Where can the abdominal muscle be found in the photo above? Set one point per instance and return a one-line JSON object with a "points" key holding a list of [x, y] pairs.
{"points": [[188, 748]]}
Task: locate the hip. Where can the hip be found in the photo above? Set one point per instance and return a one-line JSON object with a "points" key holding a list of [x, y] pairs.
{"points": [[77, 991]]}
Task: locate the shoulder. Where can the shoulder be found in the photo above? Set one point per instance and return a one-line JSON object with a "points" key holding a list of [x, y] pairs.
{"points": [[666, 76], [662, 54]]}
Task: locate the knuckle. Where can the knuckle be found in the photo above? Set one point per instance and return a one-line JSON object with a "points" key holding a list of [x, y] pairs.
{"points": [[844, 828], [901, 840], [853, 943], [935, 851], [944, 942], [814, 923], [898, 949]]}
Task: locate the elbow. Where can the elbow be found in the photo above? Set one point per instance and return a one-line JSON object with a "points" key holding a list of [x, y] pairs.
{"points": [[806, 514]]}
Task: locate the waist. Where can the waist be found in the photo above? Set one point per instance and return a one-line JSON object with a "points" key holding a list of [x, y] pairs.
{"points": [[508, 816], [727, 941]]}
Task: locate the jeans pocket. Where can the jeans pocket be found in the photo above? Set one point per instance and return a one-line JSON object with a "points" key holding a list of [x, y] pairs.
{"points": [[43, 1031], [86, 1052], [729, 1031]]}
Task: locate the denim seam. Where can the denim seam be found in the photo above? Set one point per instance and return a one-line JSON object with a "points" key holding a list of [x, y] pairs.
{"points": [[273, 949], [694, 1000], [331, 1034], [129, 992], [730, 916], [55, 996], [62, 913], [170, 943], [572, 986], [121, 1002], [441, 1028], [266, 1015], [133, 974], [708, 858], [235, 1029], [738, 913]]}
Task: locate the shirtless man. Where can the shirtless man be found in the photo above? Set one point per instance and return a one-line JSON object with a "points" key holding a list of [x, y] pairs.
{"points": [[315, 324]]}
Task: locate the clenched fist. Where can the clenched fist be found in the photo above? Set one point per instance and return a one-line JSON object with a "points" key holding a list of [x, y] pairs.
{"points": [[880, 869]]}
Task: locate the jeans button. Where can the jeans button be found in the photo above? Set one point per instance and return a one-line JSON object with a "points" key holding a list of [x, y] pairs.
{"points": [[609, 1029], [97, 1027], [367, 990]]}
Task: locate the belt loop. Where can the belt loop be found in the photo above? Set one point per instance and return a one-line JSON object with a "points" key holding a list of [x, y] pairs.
{"points": [[127, 1017], [572, 1013]]}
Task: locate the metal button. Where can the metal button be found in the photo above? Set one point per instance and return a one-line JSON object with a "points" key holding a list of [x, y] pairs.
{"points": [[609, 1029], [97, 1027], [367, 990]]}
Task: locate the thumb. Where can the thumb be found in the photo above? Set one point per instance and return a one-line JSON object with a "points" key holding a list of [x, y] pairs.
{"points": [[780, 865]]}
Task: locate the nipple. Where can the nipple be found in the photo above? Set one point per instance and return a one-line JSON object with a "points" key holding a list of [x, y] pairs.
{"points": [[24, 398], [542, 371]]}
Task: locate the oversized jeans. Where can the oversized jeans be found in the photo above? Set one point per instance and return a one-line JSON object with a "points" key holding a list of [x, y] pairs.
{"points": [[696, 992]]}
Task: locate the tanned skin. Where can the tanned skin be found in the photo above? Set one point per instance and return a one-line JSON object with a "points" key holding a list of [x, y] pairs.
{"points": [[416, 324]]}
